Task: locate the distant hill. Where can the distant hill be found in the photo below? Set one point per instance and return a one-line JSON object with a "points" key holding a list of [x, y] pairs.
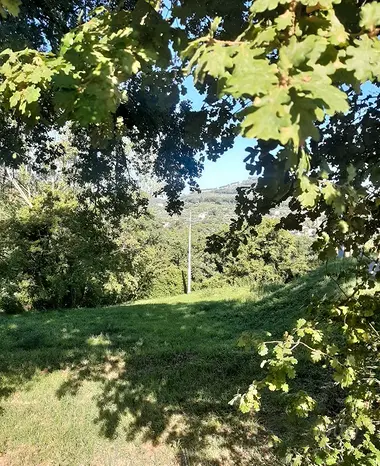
{"points": [[214, 207], [231, 187]]}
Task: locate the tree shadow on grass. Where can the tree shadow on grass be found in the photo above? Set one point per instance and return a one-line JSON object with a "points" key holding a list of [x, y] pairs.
{"points": [[170, 368]]}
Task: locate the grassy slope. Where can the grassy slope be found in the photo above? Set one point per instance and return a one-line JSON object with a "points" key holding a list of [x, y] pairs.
{"points": [[144, 384]]}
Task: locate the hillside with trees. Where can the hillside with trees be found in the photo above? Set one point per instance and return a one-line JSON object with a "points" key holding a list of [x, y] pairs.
{"points": [[57, 252]]}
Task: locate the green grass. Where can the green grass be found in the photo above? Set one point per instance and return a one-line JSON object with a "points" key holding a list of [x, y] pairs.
{"points": [[141, 384]]}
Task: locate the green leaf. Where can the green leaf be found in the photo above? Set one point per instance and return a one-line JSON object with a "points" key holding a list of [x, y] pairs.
{"points": [[265, 36], [262, 5], [364, 59], [285, 387], [268, 118], [284, 21], [303, 404], [215, 24], [318, 86], [15, 98], [365, 421], [66, 42], [217, 60], [271, 386], [323, 441], [31, 94], [297, 52], [334, 197], [309, 198], [343, 226], [329, 192], [330, 460], [316, 355], [214, 60], [309, 192], [338, 35], [262, 349], [250, 400], [12, 6], [305, 112], [300, 323], [250, 76], [370, 16], [40, 74], [344, 376]]}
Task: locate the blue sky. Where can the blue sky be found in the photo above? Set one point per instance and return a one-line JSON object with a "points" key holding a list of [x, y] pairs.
{"points": [[231, 167]]}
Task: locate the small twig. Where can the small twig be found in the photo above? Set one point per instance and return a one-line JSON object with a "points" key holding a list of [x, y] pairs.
{"points": [[338, 285], [373, 328], [292, 8], [226, 42], [243, 107]]}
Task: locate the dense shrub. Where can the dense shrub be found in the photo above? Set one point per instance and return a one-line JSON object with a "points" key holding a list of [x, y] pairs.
{"points": [[168, 281], [58, 253], [270, 255]]}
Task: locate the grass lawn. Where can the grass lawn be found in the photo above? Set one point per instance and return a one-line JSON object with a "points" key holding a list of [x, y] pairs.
{"points": [[141, 384]]}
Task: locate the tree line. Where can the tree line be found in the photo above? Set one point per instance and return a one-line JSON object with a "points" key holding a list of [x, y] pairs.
{"points": [[58, 252]]}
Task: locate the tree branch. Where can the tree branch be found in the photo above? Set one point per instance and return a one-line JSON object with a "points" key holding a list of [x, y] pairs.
{"points": [[18, 188]]}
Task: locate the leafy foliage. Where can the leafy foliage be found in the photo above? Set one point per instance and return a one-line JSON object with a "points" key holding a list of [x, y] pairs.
{"points": [[347, 345], [11, 7], [92, 60], [313, 56], [263, 255], [58, 254], [282, 66], [96, 60]]}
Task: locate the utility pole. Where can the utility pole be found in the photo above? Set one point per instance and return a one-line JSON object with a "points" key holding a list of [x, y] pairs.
{"points": [[189, 260]]}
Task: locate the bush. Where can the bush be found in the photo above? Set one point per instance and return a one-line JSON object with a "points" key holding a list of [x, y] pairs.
{"points": [[268, 256], [169, 282], [11, 305], [58, 254]]}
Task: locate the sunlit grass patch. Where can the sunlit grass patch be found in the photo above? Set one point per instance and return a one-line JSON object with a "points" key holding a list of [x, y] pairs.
{"points": [[143, 384]]}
